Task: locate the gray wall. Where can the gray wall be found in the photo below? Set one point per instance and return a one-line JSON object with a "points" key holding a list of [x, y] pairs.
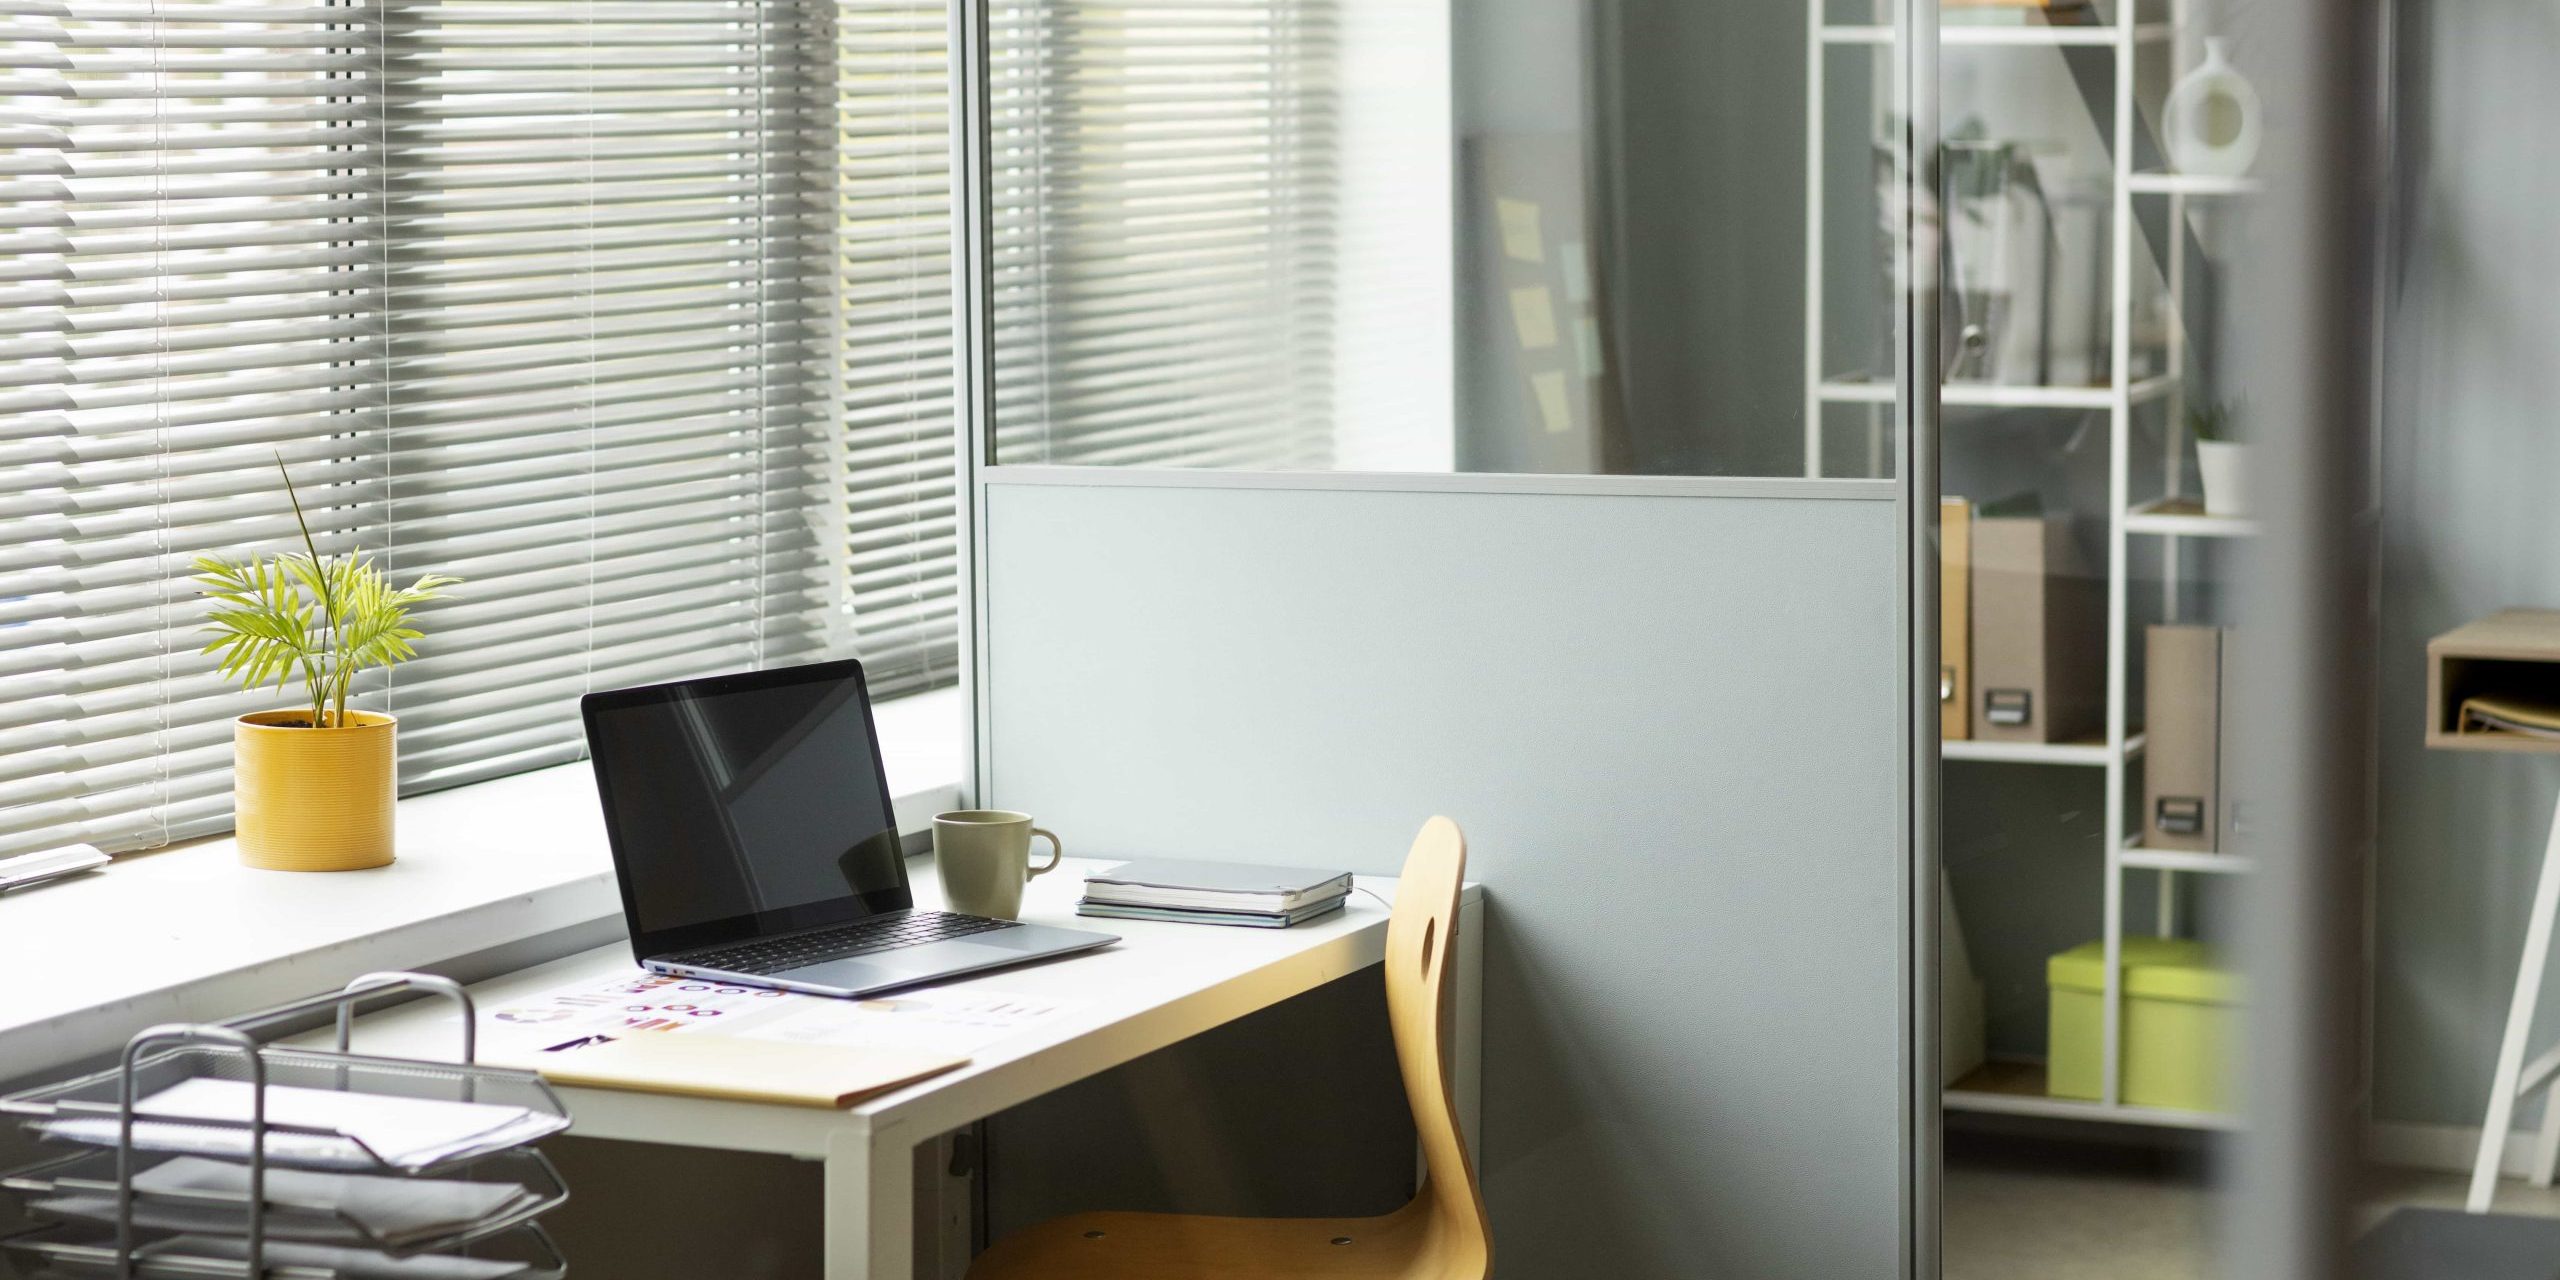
{"points": [[2471, 461], [1669, 728]]}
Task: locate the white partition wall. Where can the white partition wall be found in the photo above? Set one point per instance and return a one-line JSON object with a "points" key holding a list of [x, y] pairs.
{"points": [[1669, 716]]}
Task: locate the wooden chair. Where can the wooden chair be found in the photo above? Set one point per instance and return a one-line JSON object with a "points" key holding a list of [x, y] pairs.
{"points": [[1440, 1235]]}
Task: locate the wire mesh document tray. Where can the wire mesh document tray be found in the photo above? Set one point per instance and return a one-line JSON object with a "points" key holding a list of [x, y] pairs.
{"points": [[207, 1153]]}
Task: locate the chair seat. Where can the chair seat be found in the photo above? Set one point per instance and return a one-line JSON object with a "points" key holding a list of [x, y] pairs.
{"points": [[1162, 1246]]}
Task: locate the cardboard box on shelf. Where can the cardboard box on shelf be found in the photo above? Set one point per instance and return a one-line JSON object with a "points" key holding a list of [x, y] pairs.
{"points": [[2038, 633], [2182, 796]]}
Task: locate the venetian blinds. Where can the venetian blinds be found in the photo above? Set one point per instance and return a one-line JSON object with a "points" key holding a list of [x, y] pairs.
{"points": [[540, 293], [893, 175], [1164, 231]]}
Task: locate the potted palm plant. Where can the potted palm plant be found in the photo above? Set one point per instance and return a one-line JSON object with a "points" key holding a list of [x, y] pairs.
{"points": [[313, 783], [2222, 460]]}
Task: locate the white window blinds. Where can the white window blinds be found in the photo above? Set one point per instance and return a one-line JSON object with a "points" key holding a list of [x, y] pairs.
{"points": [[1164, 213], [894, 186], [543, 294]]}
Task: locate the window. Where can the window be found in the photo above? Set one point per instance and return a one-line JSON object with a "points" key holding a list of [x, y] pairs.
{"points": [[633, 313], [1163, 260]]}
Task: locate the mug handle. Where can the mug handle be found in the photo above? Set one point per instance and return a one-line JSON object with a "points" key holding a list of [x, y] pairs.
{"points": [[1057, 851]]}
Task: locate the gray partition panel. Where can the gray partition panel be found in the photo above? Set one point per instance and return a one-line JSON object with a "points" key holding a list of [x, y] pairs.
{"points": [[1669, 727]]}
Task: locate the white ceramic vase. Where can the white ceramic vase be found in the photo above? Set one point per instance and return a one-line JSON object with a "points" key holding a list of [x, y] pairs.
{"points": [[2225, 468], [2212, 121]]}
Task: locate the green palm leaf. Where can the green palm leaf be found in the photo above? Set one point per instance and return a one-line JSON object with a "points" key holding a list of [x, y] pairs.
{"points": [[301, 615]]}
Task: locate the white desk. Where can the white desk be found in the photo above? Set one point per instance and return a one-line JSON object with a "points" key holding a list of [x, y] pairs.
{"points": [[1163, 983]]}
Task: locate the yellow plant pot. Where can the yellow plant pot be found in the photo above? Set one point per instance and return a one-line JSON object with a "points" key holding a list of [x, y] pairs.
{"points": [[313, 799]]}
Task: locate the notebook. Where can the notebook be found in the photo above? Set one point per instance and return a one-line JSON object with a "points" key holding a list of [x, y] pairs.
{"points": [[1243, 919], [2510, 715], [711, 1066], [1213, 886]]}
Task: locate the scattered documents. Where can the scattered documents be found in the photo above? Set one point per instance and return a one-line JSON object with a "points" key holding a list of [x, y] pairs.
{"points": [[211, 1197], [346, 1264], [354, 1130], [33, 868], [957, 1020]]}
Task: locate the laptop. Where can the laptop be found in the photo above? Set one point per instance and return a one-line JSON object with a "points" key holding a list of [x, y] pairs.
{"points": [[755, 843]]}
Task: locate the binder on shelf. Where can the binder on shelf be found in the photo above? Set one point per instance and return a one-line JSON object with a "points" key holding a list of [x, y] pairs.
{"points": [[1955, 618], [2038, 639], [2183, 714]]}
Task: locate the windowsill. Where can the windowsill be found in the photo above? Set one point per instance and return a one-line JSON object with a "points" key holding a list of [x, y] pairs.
{"points": [[188, 934]]}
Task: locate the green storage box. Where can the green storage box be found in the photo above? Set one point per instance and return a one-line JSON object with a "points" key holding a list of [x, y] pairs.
{"points": [[2177, 1020]]}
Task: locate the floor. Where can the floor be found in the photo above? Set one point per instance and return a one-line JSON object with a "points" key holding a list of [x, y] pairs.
{"points": [[2023, 1206]]}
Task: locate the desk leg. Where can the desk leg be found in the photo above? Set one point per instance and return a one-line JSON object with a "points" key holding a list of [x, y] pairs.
{"points": [[870, 1206], [2528, 993]]}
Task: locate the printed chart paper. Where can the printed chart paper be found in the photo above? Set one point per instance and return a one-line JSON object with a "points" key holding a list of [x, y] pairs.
{"points": [[956, 1020]]}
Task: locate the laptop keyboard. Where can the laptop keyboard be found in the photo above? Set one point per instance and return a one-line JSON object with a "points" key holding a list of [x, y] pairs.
{"points": [[879, 933]]}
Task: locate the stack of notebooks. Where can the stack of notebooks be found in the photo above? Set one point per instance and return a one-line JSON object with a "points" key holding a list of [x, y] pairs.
{"points": [[1214, 893]]}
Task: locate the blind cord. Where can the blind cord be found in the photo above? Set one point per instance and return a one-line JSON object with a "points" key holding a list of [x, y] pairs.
{"points": [[586, 636], [153, 23], [758, 127], [380, 109]]}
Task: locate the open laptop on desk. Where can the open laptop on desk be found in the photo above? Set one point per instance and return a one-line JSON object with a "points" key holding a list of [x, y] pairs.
{"points": [[755, 843]]}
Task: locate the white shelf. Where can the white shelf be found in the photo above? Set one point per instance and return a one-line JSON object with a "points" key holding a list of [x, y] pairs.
{"points": [[2017, 1089], [1854, 390], [2155, 182], [2010, 1104], [2069, 753], [2180, 518], [2120, 403], [1963, 34], [2139, 858]]}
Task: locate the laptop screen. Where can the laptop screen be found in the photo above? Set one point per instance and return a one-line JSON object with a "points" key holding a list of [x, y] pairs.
{"points": [[748, 804]]}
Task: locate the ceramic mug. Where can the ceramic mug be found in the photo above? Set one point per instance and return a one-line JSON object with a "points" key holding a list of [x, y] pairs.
{"points": [[984, 859]]}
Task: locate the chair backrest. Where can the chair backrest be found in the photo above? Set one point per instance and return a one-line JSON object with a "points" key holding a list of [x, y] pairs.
{"points": [[1421, 941]]}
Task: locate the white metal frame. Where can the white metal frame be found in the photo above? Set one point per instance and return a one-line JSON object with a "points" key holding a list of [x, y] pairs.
{"points": [[2123, 393], [2515, 1078]]}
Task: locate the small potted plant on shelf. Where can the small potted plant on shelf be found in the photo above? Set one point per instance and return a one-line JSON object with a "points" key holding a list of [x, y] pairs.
{"points": [[2221, 459], [312, 784]]}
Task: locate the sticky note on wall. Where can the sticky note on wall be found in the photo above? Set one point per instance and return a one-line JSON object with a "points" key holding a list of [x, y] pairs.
{"points": [[1586, 343], [1533, 313], [1553, 403], [1522, 237], [1575, 261]]}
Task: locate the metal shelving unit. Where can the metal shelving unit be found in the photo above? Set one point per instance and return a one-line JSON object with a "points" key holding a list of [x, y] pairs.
{"points": [[2017, 1088]]}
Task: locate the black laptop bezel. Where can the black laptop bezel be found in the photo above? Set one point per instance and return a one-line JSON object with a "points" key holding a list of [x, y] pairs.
{"points": [[656, 944]]}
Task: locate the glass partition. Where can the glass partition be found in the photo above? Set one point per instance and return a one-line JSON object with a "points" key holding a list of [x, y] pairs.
{"points": [[1551, 237]]}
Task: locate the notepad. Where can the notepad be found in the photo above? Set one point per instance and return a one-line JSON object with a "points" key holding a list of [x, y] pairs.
{"points": [[712, 1066]]}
